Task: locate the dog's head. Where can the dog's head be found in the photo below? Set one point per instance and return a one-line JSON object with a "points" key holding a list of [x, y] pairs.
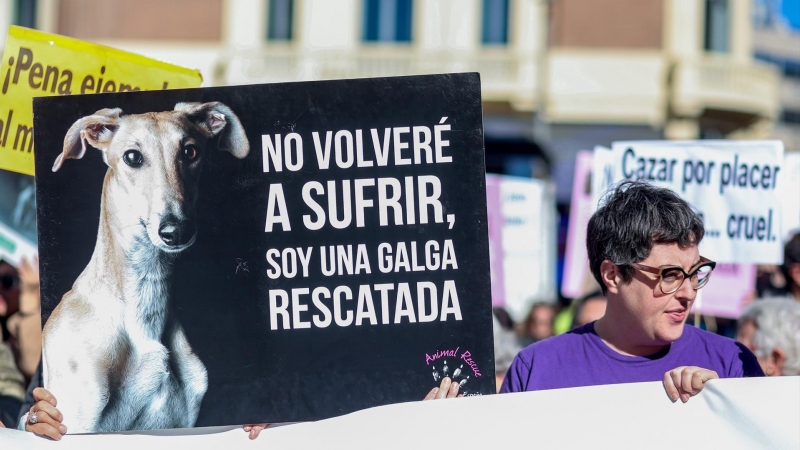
{"points": [[154, 162]]}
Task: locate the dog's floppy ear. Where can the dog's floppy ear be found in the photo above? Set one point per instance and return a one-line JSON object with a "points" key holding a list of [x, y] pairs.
{"points": [[97, 129], [216, 118]]}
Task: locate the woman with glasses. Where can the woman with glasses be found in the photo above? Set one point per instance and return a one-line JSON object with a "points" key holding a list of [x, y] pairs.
{"points": [[643, 251]]}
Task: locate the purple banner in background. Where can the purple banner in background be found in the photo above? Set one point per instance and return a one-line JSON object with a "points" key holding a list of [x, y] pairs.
{"points": [[495, 220], [730, 288], [576, 260]]}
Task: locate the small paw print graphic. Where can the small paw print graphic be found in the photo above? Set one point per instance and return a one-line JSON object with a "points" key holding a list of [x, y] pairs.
{"points": [[456, 376]]}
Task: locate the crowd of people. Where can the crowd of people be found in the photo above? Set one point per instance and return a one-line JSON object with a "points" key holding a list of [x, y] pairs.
{"points": [[643, 254]]}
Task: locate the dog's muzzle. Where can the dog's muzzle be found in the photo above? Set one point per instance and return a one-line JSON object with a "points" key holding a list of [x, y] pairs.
{"points": [[177, 233]]}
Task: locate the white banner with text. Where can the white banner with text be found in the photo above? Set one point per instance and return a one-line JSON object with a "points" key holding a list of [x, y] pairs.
{"points": [[736, 187]]}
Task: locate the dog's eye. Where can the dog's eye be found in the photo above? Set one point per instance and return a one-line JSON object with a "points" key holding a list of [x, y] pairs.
{"points": [[190, 152], [133, 158]]}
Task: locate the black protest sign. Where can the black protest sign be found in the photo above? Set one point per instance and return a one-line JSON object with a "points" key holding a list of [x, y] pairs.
{"points": [[331, 256]]}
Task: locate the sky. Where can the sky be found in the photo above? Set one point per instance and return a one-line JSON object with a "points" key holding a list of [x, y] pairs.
{"points": [[791, 12]]}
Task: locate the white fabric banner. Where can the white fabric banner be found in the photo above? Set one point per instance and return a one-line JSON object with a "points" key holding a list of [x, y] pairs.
{"points": [[730, 414], [734, 185]]}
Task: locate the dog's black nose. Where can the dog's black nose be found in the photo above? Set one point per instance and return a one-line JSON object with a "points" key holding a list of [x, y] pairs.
{"points": [[176, 232]]}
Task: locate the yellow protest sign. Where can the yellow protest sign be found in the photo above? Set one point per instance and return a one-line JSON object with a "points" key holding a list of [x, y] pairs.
{"points": [[37, 64]]}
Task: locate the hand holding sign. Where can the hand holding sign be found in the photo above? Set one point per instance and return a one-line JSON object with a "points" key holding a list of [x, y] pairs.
{"points": [[686, 381], [447, 389], [44, 419]]}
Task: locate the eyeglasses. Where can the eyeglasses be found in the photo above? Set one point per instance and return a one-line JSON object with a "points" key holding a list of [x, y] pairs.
{"points": [[8, 281], [670, 278]]}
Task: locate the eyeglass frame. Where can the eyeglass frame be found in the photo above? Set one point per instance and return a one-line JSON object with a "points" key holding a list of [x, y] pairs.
{"points": [[660, 271], [5, 284]]}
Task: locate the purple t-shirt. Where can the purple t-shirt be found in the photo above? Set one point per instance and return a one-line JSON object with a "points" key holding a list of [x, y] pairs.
{"points": [[581, 358]]}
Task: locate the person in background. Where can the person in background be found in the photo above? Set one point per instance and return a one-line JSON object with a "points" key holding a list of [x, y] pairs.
{"points": [[643, 251], [20, 312], [9, 295], [505, 343], [771, 329], [563, 320], [589, 308], [791, 266], [12, 386], [12, 382], [539, 324]]}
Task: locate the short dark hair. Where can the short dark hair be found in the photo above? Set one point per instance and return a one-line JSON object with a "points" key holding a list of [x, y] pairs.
{"points": [[634, 216], [791, 255]]}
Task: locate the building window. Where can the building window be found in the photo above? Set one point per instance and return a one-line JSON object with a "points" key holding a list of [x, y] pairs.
{"points": [[789, 67], [717, 25], [151, 20], [495, 22], [25, 13], [790, 117], [387, 20], [280, 20]]}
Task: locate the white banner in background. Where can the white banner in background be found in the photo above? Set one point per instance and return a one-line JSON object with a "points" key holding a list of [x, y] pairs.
{"points": [[791, 196], [733, 184], [602, 173], [741, 413], [522, 230], [14, 247]]}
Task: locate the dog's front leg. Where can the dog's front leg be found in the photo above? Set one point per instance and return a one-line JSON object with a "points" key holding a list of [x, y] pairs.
{"points": [[77, 382], [191, 376]]}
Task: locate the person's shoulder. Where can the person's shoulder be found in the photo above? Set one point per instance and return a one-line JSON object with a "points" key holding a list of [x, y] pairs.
{"points": [[708, 337], [557, 344], [738, 359], [712, 341]]}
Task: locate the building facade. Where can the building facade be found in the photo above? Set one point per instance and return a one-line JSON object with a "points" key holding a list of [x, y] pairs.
{"points": [[776, 40], [558, 75]]}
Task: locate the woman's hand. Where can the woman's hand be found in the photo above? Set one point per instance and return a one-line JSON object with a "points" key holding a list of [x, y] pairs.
{"points": [[686, 381], [447, 389], [255, 429], [44, 419]]}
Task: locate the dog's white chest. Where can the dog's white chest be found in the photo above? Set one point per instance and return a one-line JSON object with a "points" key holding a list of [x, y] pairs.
{"points": [[158, 381]]}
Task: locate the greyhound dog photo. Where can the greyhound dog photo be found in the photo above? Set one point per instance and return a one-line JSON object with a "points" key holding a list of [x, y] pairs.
{"points": [[114, 354]]}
